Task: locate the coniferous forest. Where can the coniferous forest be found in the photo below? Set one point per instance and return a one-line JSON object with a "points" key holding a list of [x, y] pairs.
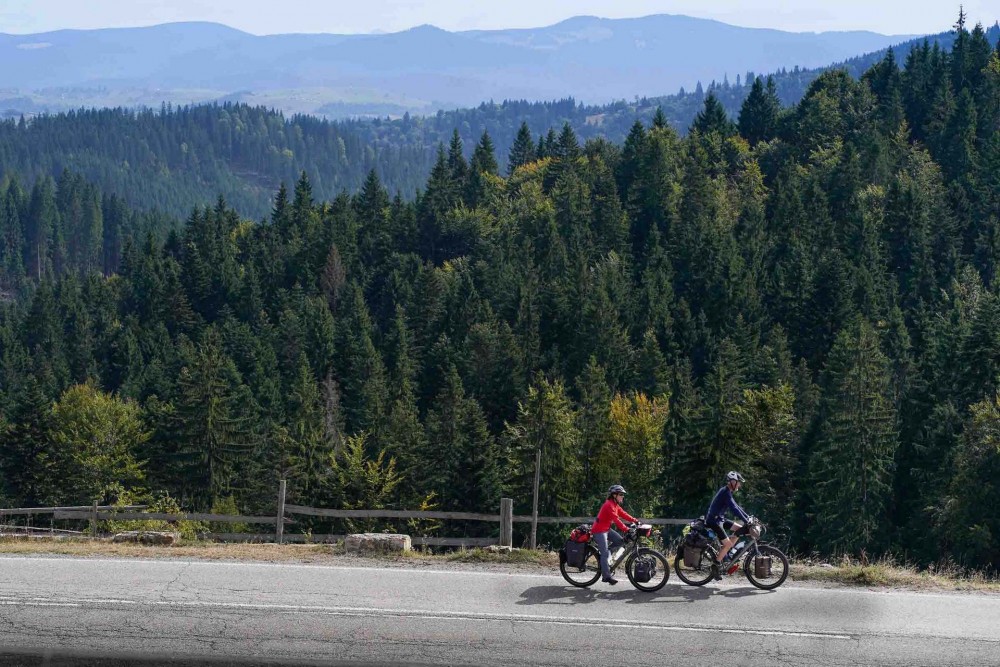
{"points": [[807, 294]]}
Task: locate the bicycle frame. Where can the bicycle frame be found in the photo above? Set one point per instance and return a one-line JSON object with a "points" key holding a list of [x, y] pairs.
{"points": [[738, 552], [631, 545]]}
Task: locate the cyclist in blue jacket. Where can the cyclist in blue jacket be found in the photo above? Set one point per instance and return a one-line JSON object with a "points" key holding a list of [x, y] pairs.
{"points": [[716, 519]]}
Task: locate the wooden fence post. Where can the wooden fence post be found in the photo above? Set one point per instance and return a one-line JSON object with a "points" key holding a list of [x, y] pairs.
{"points": [[279, 524], [506, 522], [534, 500], [93, 521]]}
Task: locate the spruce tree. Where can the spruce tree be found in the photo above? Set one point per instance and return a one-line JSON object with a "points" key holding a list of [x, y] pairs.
{"points": [[972, 533], [311, 449], [713, 118], [210, 434], [592, 422], [522, 151], [546, 422], [41, 223], [359, 367], [457, 165], [481, 167], [462, 460], [11, 237], [851, 467], [404, 436], [758, 119], [26, 448]]}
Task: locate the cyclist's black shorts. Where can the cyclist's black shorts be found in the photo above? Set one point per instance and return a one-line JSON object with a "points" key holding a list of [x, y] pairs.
{"points": [[721, 528]]}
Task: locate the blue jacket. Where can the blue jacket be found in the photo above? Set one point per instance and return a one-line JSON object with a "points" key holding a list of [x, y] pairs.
{"points": [[721, 505]]}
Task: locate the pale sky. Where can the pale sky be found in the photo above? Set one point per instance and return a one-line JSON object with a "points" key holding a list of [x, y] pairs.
{"points": [[353, 16]]}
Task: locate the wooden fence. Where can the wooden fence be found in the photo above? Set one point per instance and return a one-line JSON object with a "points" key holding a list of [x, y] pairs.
{"points": [[505, 519], [55, 513]]}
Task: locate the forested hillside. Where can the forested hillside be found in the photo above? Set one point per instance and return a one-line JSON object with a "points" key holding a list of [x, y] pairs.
{"points": [[65, 226], [175, 159], [809, 296]]}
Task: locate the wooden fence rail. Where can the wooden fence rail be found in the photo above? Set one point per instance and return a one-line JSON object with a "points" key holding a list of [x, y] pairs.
{"points": [[327, 539], [20, 511], [453, 516], [505, 519], [389, 514], [160, 516], [590, 519]]}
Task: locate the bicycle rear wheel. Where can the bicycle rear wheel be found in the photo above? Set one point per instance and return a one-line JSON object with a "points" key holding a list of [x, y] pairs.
{"points": [[586, 575], [700, 574], [776, 574]]}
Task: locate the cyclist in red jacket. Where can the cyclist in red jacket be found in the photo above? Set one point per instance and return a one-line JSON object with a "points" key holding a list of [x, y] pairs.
{"points": [[611, 512]]}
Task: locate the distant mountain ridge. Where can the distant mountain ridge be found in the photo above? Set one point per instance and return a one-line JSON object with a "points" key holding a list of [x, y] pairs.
{"points": [[178, 158], [591, 59]]}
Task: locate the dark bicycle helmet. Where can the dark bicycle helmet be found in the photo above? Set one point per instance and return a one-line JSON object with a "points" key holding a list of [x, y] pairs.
{"points": [[617, 488]]}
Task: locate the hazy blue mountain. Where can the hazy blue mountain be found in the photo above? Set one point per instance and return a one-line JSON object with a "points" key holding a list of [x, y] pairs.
{"points": [[176, 158], [591, 59]]}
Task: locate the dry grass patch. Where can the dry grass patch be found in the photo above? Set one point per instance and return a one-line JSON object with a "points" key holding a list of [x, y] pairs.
{"points": [[889, 573], [84, 547], [521, 559], [546, 559]]}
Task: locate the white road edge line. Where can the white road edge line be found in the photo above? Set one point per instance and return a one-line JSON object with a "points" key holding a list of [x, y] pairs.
{"points": [[590, 623], [480, 573], [304, 566], [421, 613]]}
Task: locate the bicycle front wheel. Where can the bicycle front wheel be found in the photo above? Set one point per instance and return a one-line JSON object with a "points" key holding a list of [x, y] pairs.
{"points": [[770, 577], [658, 568], [698, 575], [583, 576]]}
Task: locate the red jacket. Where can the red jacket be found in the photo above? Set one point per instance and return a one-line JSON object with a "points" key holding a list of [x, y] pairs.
{"points": [[611, 512]]}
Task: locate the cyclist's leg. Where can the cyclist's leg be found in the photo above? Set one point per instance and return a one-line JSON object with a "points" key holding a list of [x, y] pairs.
{"points": [[615, 539], [724, 537], [733, 529], [601, 540]]}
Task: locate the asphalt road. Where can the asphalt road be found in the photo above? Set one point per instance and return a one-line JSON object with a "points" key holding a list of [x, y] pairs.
{"points": [[116, 612]]}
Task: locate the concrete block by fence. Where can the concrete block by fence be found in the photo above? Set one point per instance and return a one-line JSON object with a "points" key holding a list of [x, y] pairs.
{"points": [[378, 542], [499, 549], [148, 537]]}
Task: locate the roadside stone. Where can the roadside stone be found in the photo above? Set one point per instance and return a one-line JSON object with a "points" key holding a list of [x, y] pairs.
{"points": [[497, 549], [377, 542], [148, 537], [827, 566]]}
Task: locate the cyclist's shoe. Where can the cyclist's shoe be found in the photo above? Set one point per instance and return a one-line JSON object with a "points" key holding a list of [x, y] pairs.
{"points": [[611, 581], [716, 571]]}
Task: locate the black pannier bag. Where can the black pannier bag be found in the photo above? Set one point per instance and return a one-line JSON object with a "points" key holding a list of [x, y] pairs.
{"points": [[576, 553], [645, 569], [695, 541], [691, 556]]}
